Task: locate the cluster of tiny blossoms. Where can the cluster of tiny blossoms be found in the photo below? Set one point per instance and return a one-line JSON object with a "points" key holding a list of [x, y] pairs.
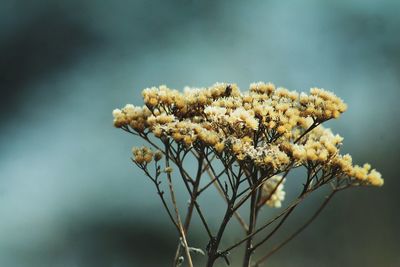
{"points": [[273, 193], [142, 155], [268, 127]]}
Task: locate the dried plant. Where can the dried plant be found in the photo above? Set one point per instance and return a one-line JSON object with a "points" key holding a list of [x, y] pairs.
{"points": [[245, 145]]}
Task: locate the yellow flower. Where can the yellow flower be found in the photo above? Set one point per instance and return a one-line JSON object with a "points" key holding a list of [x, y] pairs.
{"points": [[267, 125]]}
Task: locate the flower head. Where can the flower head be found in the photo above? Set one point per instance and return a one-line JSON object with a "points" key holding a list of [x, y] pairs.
{"points": [[273, 193], [267, 127]]}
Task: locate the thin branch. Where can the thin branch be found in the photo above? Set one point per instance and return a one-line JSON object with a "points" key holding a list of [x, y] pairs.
{"points": [[252, 223], [193, 196], [178, 218], [265, 200], [212, 181], [208, 164], [275, 229], [160, 193], [236, 213], [214, 174], [304, 226], [292, 205], [260, 182], [182, 171], [314, 125], [202, 218]]}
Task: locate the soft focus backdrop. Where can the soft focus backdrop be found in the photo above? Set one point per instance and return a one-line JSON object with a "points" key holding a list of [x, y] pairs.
{"points": [[69, 195]]}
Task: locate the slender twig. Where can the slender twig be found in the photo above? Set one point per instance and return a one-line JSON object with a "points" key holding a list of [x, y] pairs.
{"points": [[265, 200], [178, 218], [292, 205], [194, 191], [212, 181], [252, 223], [214, 174], [275, 229], [193, 197], [213, 252], [160, 193], [221, 192], [314, 125], [298, 231], [203, 220], [260, 182], [207, 165]]}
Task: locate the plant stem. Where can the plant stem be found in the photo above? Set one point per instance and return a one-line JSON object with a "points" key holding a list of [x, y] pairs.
{"points": [[221, 192], [178, 218], [213, 252], [214, 243], [252, 223], [193, 197], [304, 226]]}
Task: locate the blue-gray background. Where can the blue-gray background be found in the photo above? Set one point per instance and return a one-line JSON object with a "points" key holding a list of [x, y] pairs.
{"points": [[69, 195]]}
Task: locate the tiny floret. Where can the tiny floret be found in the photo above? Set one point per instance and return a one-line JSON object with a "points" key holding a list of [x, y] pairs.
{"points": [[168, 170]]}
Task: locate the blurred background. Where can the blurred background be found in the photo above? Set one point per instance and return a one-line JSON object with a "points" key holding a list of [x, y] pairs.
{"points": [[69, 195]]}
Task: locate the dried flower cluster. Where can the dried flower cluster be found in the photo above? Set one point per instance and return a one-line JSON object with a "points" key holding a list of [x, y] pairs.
{"points": [[226, 120], [273, 191], [258, 136]]}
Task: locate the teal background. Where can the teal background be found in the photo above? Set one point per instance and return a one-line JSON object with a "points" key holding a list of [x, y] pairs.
{"points": [[69, 195]]}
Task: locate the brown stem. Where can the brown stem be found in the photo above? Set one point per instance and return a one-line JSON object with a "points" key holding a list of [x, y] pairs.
{"points": [[183, 173], [279, 225], [213, 180], [178, 218], [304, 226], [314, 125], [214, 242], [212, 248], [292, 205], [275, 229], [161, 194], [191, 206], [252, 222], [221, 192]]}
